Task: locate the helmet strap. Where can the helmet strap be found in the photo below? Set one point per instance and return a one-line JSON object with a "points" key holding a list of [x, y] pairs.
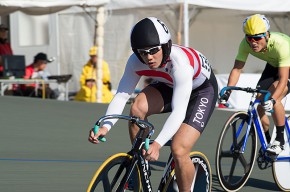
{"points": [[267, 37], [166, 48], [164, 63]]}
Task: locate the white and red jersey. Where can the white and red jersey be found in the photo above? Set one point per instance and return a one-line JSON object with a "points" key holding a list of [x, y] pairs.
{"points": [[186, 70]]}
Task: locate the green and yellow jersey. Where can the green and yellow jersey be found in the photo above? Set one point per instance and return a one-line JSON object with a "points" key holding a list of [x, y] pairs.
{"points": [[277, 53]]}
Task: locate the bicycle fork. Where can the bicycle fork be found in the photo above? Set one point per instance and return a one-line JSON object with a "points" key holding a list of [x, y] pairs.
{"points": [[145, 175], [127, 175]]}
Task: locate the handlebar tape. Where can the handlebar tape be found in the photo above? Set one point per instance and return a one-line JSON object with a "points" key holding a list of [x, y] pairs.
{"points": [[147, 144], [96, 129]]}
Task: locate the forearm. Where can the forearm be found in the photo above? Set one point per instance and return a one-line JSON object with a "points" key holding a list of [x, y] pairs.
{"points": [[170, 127], [235, 73], [116, 106], [234, 77]]}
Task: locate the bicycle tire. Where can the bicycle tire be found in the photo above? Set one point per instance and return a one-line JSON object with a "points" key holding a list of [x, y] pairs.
{"points": [[105, 178], [280, 174], [281, 168], [203, 175], [234, 168]]}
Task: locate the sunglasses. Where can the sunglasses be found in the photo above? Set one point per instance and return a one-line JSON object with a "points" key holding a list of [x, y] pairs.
{"points": [[252, 38], [150, 51]]}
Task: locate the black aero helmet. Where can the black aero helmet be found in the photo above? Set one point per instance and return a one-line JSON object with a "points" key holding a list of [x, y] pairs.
{"points": [[150, 32]]}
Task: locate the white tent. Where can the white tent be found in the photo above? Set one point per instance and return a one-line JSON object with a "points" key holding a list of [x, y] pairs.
{"points": [[37, 7], [212, 26], [246, 5]]}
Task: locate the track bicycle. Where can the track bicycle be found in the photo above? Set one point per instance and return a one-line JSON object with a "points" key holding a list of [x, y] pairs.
{"points": [[237, 147], [131, 172]]}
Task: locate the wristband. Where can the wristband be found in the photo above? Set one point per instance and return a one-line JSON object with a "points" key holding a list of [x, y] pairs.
{"points": [[273, 101]]}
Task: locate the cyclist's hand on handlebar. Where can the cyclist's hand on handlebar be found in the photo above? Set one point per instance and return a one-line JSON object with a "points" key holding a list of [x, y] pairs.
{"points": [[93, 138], [224, 98], [153, 152], [269, 105]]}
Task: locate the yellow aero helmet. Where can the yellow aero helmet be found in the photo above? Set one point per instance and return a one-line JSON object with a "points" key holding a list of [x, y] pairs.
{"points": [[256, 24], [93, 50]]}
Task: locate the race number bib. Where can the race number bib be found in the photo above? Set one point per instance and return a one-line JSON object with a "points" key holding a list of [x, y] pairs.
{"points": [[205, 66]]}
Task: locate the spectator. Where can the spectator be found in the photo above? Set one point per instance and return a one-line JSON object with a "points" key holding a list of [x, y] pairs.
{"points": [[36, 70], [5, 48], [88, 79]]}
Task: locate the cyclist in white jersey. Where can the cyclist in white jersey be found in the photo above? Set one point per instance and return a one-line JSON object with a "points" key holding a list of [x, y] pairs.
{"points": [[184, 85]]}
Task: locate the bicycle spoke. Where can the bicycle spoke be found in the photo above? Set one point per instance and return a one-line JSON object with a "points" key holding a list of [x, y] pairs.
{"points": [[194, 178], [240, 144], [228, 153], [119, 172], [122, 184], [234, 134], [129, 170], [244, 163], [114, 175], [234, 163], [202, 180], [106, 183]]}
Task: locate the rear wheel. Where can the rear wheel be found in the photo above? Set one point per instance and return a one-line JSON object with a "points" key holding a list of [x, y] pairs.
{"points": [[202, 176], [109, 176], [234, 167]]}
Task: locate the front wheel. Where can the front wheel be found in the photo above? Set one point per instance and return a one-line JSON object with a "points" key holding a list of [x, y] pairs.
{"points": [[233, 165], [109, 176], [202, 176], [281, 168]]}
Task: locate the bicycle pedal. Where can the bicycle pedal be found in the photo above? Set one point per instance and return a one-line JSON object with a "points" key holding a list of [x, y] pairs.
{"points": [[263, 162], [262, 165], [272, 156]]}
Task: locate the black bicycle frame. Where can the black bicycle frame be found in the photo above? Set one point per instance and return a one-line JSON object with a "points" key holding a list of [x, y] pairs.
{"points": [[138, 159], [144, 173], [170, 165]]}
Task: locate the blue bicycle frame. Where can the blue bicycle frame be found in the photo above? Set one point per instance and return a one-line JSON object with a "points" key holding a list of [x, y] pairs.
{"points": [[254, 118]]}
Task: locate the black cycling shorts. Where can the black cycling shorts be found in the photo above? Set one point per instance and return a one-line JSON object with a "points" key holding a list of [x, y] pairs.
{"points": [[269, 76], [201, 103]]}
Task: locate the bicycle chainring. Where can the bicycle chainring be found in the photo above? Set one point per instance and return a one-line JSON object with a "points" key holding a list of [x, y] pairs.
{"points": [[263, 160]]}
